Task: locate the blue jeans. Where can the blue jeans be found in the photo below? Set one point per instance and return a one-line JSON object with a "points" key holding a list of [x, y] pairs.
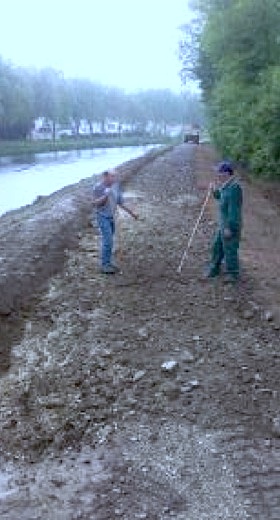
{"points": [[107, 230]]}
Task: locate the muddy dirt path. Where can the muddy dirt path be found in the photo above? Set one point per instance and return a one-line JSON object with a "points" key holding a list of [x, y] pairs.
{"points": [[150, 394]]}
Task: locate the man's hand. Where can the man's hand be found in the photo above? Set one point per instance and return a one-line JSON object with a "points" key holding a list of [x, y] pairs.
{"points": [[227, 233], [102, 200]]}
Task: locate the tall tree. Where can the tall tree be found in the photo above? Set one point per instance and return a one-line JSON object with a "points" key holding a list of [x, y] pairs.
{"points": [[50, 96], [16, 102], [235, 54]]}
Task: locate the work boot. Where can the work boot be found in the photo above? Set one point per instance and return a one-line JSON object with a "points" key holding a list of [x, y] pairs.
{"points": [[117, 269], [212, 273], [108, 269], [230, 278]]}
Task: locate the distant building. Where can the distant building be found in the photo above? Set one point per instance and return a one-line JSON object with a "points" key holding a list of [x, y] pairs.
{"points": [[174, 130], [115, 127], [170, 130], [42, 129]]}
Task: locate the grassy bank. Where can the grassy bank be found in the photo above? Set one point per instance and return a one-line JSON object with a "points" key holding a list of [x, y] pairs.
{"points": [[12, 148]]}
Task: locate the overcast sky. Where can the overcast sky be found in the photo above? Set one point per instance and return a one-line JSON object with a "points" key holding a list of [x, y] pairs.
{"points": [[131, 44]]}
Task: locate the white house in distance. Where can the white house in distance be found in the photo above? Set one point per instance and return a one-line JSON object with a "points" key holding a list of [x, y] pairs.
{"points": [[42, 129], [174, 130]]}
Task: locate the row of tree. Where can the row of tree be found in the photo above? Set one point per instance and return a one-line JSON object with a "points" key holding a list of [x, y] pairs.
{"points": [[28, 94], [233, 47]]}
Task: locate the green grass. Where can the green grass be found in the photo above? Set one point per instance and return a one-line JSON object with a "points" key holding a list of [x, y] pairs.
{"points": [[12, 148]]}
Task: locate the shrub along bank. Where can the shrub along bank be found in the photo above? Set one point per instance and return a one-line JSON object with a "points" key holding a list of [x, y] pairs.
{"points": [[234, 50]]}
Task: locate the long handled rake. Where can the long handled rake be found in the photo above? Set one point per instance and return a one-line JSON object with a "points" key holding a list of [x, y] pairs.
{"points": [[195, 228]]}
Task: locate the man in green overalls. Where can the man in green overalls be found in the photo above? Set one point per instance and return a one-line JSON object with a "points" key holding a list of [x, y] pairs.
{"points": [[228, 194]]}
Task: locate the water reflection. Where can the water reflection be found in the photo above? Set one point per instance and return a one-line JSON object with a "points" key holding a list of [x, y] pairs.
{"points": [[22, 181], [27, 158]]}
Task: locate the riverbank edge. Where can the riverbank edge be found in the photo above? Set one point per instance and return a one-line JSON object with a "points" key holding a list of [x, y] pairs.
{"points": [[35, 238], [18, 148]]}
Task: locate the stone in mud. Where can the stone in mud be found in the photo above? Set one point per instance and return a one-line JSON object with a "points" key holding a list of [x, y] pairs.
{"points": [[248, 314], [170, 390], [268, 316], [169, 366], [190, 386], [187, 356], [138, 375], [276, 426], [143, 333]]}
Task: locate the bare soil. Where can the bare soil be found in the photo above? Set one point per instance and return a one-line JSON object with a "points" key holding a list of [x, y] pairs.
{"points": [[149, 394]]}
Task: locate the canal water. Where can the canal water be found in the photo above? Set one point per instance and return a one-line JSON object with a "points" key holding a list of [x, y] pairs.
{"points": [[23, 180]]}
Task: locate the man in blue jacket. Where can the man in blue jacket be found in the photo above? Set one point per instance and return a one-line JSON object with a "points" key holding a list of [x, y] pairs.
{"points": [[107, 196], [228, 194]]}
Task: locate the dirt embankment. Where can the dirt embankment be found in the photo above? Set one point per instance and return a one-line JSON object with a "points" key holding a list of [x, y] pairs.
{"points": [[150, 394], [34, 242]]}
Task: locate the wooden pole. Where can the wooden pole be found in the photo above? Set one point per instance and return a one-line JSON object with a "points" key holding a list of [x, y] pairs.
{"points": [[195, 228]]}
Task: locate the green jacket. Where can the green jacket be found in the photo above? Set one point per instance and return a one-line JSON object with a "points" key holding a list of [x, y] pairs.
{"points": [[230, 197]]}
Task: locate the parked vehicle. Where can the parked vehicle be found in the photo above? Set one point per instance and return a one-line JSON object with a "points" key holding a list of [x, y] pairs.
{"points": [[191, 138]]}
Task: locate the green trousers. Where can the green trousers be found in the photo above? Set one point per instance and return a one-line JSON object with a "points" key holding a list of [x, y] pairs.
{"points": [[224, 249]]}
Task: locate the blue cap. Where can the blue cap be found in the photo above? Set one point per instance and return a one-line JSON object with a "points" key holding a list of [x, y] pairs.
{"points": [[225, 167]]}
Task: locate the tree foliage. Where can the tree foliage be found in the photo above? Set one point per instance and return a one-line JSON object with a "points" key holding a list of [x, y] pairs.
{"points": [[16, 110], [234, 51], [28, 94]]}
